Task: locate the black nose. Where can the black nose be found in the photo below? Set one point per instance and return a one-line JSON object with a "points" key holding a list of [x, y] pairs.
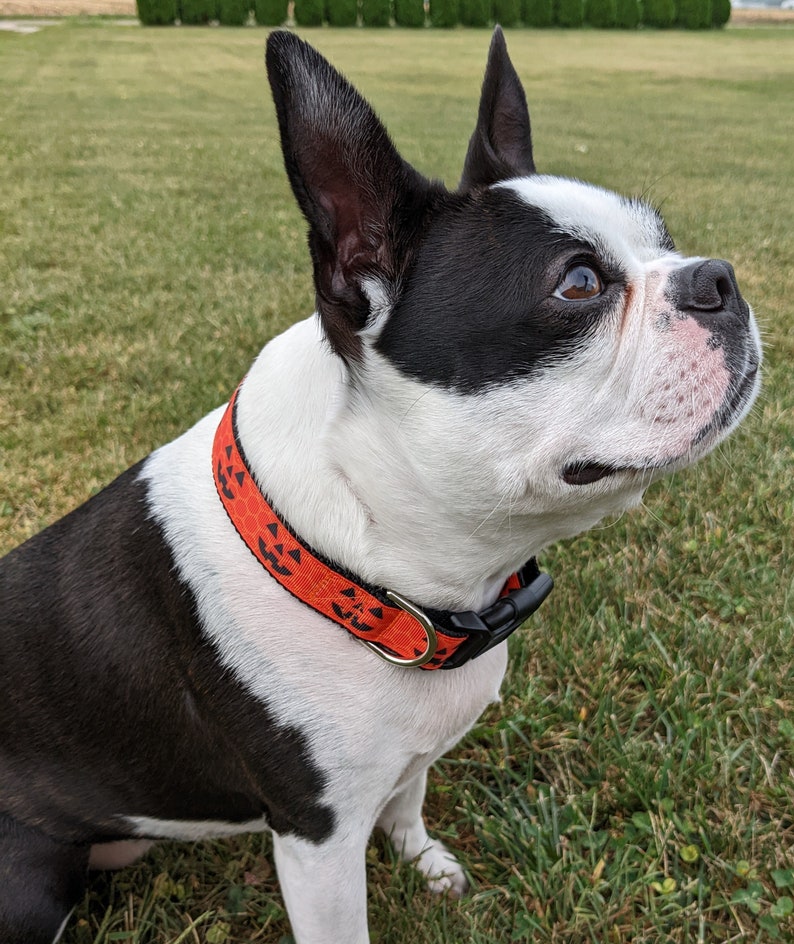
{"points": [[709, 285]]}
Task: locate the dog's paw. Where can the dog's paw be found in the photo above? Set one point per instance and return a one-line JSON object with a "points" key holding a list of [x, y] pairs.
{"points": [[442, 870]]}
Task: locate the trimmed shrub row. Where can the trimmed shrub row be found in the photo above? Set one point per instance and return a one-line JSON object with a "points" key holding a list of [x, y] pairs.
{"points": [[226, 12], [445, 14]]}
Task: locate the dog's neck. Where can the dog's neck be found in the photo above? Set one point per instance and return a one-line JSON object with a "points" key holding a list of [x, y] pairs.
{"points": [[390, 491]]}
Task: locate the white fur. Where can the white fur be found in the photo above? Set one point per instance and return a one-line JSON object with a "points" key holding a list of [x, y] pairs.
{"points": [[187, 830], [330, 681]]}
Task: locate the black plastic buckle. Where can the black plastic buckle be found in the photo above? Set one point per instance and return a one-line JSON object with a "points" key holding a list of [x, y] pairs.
{"points": [[487, 629]]}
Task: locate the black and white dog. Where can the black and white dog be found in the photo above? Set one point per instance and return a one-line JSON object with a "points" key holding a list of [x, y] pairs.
{"points": [[488, 371]]}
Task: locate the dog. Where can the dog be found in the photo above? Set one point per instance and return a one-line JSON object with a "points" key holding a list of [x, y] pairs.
{"points": [[282, 618]]}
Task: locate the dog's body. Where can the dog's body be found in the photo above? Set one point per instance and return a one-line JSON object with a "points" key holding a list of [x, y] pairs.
{"points": [[490, 370]]}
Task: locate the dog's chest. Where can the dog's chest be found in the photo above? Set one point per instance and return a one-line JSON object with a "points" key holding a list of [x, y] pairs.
{"points": [[355, 712]]}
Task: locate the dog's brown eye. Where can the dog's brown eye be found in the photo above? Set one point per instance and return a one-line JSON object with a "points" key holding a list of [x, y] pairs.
{"points": [[580, 283]]}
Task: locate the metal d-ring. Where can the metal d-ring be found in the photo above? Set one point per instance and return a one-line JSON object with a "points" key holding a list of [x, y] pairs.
{"points": [[424, 622]]}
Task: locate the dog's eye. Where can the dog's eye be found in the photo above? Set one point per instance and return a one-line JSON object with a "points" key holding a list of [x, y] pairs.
{"points": [[580, 283]]}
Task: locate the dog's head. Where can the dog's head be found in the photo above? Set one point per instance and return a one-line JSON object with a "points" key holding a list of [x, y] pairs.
{"points": [[545, 326]]}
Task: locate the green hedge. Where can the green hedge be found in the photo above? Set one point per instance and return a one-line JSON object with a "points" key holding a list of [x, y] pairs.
{"points": [[627, 14], [475, 12], [624, 14], [538, 12], [694, 14], [309, 12], [196, 12], [658, 13], [342, 12], [233, 12], [160, 12], [720, 12], [378, 12], [409, 12], [602, 14], [274, 12], [507, 12], [569, 13], [444, 14]]}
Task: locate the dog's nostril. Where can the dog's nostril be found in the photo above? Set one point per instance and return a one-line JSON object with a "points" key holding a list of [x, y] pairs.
{"points": [[713, 285], [709, 286], [725, 290]]}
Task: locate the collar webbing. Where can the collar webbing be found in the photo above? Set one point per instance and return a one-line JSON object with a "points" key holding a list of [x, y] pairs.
{"points": [[402, 634]]}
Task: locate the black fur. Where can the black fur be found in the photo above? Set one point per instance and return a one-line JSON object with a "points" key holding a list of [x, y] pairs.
{"points": [[41, 880], [115, 704]]}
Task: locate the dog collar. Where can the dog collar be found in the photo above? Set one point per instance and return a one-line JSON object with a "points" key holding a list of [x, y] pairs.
{"points": [[391, 626]]}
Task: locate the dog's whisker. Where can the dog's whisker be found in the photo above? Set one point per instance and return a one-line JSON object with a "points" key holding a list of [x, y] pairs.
{"points": [[487, 518]]}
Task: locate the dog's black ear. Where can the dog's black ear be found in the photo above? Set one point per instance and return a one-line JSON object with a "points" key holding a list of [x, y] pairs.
{"points": [[501, 146], [363, 202]]}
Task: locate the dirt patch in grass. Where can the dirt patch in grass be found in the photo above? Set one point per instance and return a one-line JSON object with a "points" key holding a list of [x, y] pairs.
{"points": [[67, 7], [769, 16]]}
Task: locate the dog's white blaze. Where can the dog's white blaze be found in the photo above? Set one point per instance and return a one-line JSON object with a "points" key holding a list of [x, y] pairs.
{"points": [[628, 229]]}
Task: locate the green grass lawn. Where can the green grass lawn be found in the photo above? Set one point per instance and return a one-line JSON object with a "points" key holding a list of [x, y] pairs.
{"points": [[636, 782]]}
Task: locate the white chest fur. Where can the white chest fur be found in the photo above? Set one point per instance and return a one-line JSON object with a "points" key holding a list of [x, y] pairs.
{"points": [[358, 713]]}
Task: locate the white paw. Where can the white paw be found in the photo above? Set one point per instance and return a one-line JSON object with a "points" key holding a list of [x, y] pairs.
{"points": [[444, 873]]}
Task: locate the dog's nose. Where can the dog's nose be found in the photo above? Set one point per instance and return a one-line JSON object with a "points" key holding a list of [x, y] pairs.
{"points": [[710, 285]]}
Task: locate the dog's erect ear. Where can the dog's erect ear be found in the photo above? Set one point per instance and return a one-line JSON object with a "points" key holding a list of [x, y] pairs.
{"points": [[501, 146], [363, 202]]}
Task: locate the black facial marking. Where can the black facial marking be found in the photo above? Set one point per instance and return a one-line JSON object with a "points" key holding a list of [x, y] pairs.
{"points": [[114, 703], [479, 307]]}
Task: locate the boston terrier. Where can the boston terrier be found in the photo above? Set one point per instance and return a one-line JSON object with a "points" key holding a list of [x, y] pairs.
{"points": [[282, 618]]}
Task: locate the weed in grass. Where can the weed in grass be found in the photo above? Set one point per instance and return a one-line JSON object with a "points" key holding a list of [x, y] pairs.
{"points": [[635, 784]]}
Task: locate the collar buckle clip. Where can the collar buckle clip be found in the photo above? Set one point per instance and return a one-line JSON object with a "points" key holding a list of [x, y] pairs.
{"points": [[491, 627], [424, 621]]}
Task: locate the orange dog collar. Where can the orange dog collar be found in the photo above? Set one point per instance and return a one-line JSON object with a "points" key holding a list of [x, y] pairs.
{"points": [[387, 623]]}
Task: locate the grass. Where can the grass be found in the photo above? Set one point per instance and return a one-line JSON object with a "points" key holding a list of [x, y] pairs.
{"points": [[636, 783]]}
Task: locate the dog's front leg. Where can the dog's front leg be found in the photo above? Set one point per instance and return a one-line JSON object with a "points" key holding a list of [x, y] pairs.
{"points": [[325, 887], [401, 820]]}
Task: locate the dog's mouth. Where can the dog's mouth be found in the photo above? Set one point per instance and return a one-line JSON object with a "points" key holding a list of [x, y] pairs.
{"points": [[585, 473]]}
